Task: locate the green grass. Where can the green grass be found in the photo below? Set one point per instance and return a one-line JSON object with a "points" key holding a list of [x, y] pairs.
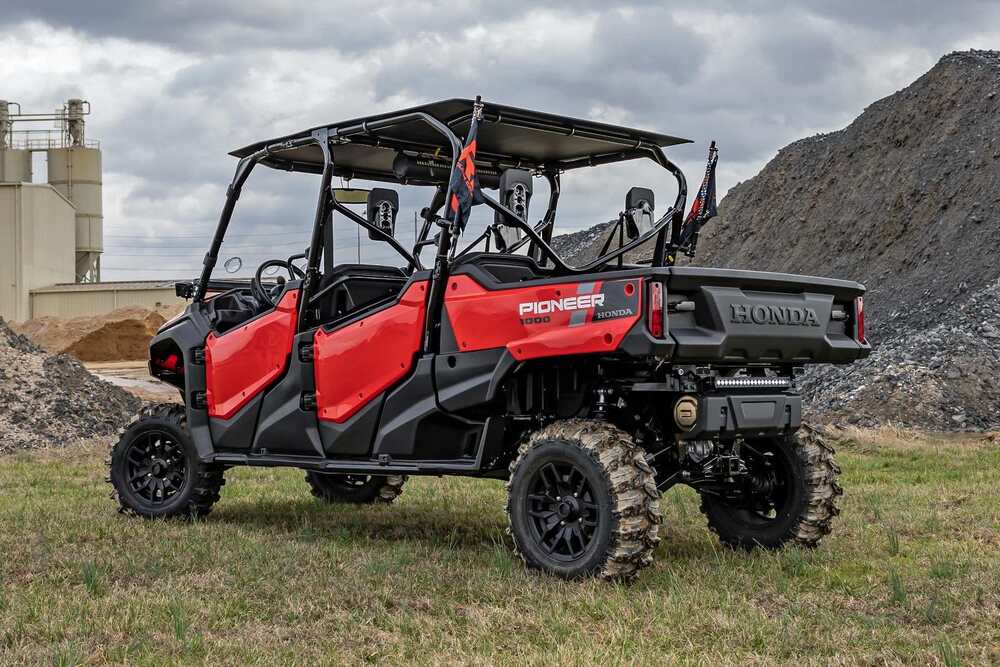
{"points": [[911, 574]]}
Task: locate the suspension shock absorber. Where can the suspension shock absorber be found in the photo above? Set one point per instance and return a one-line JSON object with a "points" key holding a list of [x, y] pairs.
{"points": [[602, 401]]}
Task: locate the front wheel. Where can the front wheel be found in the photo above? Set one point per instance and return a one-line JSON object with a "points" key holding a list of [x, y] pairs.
{"points": [[582, 501], [791, 498], [155, 470]]}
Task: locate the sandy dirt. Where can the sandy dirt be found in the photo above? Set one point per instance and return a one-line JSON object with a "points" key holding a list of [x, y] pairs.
{"points": [[134, 377], [122, 334]]}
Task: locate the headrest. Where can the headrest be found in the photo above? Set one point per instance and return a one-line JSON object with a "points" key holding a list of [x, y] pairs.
{"points": [[636, 196], [515, 194], [638, 212], [383, 204]]}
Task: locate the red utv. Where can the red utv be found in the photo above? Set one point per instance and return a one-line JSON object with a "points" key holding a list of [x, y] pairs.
{"points": [[590, 389]]}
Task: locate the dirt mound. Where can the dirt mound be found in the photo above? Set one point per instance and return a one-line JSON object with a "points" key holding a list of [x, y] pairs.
{"points": [[52, 399], [121, 335]]}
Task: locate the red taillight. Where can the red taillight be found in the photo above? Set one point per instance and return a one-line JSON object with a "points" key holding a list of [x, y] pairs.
{"points": [[171, 363], [654, 317], [859, 319]]}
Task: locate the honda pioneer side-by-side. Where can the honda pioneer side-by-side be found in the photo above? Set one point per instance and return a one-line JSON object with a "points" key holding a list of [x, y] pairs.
{"points": [[591, 389]]}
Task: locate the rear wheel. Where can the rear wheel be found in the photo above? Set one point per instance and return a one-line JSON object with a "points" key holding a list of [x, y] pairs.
{"points": [[355, 488], [582, 501], [155, 470], [791, 498]]}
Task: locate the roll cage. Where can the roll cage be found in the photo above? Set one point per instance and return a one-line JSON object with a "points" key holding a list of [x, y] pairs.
{"points": [[545, 144]]}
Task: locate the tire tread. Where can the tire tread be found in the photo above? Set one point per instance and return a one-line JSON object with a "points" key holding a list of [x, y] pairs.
{"points": [[635, 499]]}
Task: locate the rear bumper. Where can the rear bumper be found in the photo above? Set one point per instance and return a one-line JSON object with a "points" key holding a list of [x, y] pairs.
{"points": [[746, 414]]}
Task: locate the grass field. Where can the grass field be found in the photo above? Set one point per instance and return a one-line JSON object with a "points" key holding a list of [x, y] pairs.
{"points": [[910, 575]]}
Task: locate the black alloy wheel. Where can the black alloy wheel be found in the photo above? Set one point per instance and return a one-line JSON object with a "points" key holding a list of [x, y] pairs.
{"points": [[790, 495], [582, 502], [352, 488], [563, 510], [770, 483], [156, 467]]}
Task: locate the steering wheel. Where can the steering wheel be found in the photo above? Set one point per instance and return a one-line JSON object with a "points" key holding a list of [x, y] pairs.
{"points": [[268, 297]]}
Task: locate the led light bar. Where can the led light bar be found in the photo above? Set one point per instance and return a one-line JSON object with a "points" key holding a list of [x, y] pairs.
{"points": [[752, 382]]}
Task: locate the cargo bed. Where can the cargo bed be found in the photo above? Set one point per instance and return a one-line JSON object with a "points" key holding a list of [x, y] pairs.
{"points": [[725, 316]]}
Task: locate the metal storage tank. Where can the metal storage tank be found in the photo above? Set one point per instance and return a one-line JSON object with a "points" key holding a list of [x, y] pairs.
{"points": [[15, 165], [76, 173]]}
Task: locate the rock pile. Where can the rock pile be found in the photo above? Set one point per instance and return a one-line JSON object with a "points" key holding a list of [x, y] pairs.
{"points": [[52, 399], [941, 377], [906, 200]]}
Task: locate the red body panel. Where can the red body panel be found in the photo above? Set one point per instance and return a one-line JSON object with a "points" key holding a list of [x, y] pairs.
{"points": [[482, 319], [356, 363], [241, 363]]}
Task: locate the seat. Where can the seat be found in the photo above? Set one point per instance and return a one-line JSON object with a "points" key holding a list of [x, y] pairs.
{"points": [[504, 268], [351, 287]]}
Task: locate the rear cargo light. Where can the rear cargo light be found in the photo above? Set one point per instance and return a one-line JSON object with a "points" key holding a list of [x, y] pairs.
{"points": [[859, 319], [655, 318], [752, 382]]}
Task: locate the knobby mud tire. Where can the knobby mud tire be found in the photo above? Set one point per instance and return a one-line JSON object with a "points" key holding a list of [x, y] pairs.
{"points": [[633, 499], [805, 524], [203, 481]]}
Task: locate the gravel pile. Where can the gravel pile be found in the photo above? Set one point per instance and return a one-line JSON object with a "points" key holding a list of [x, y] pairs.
{"points": [[52, 399], [942, 377], [906, 200]]}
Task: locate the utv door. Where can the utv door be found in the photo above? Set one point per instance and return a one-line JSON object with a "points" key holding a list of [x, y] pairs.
{"points": [[240, 365], [357, 359]]}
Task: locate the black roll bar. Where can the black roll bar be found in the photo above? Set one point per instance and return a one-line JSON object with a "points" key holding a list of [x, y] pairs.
{"points": [[243, 169], [321, 138], [539, 248], [672, 214], [388, 238]]}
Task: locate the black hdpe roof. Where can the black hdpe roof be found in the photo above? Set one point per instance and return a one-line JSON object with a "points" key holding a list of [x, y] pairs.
{"points": [[508, 136]]}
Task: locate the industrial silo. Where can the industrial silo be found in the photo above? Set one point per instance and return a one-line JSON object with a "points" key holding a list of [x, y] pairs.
{"points": [[75, 171], [15, 163]]}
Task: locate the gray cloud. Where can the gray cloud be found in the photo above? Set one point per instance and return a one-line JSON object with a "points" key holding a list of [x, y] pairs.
{"points": [[176, 85]]}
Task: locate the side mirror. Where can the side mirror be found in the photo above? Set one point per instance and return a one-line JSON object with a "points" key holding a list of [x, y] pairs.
{"points": [[515, 194], [638, 212], [383, 205]]}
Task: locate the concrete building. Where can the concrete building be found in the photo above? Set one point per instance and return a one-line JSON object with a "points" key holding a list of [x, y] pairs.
{"points": [[76, 299], [33, 255], [52, 233]]}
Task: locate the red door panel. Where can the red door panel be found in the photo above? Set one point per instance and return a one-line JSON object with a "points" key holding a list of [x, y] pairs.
{"points": [[543, 320], [242, 362], [357, 362]]}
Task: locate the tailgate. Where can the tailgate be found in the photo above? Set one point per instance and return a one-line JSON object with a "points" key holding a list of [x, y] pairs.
{"points": [[723, 315]]}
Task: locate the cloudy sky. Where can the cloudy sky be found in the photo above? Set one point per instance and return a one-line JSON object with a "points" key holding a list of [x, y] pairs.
{"points": [[176, 85]]}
